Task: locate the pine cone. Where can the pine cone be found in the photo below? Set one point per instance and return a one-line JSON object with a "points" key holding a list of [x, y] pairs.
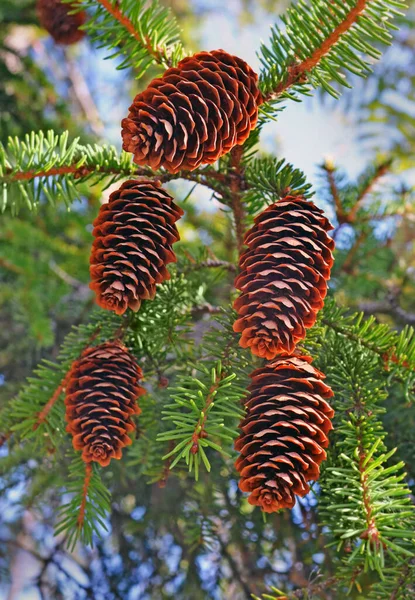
{"points": [[283, 276], [194, 114], [284, 432], [101, 394], [134, 233], [63, 27]]}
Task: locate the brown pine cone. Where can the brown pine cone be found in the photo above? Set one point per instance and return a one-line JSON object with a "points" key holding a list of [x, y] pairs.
{"points": [[54, 16], [101, 393], [194, 114], [134, 233], [283, 276], [284, 433]]}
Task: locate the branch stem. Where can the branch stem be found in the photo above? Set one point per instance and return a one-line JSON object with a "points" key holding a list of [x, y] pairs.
{"points": [[158, 54], [298, 72], [87, 481]]}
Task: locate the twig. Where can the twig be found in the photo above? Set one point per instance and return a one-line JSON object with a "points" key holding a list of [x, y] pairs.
{"points": [[87, 481], [199, 431], [213, 264], [381, 170], [236, 202], [235, 570], [72, 281], [298, 72], [158, 53], [41, 418], [203, 177], [340, 212]]}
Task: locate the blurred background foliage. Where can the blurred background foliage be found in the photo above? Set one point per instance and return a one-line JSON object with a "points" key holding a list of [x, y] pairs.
{"points": [[175, 540]]}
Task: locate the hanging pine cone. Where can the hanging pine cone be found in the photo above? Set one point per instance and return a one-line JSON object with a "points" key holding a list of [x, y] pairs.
{"points": [[134, 233], [194, 114], [55, 18], [283, 276], [284, 433], [101, 393]]}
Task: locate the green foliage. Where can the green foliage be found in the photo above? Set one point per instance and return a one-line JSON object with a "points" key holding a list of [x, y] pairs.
{"points": [[396, 349], [143, 33], [207, 404], [52, 167], [365, 501], [269, 180], [97, 506], [308, 26]]}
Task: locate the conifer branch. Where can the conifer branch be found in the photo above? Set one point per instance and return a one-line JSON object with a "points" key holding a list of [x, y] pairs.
{"points": [[50, 165], [236, 199], [85, 489], [141, 32], [379, 172], [298, 72], [158, 53], [329, 169], [321, 40], [42, 416]]}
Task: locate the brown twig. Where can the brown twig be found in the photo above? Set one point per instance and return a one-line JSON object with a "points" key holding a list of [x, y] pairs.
{"points": [[41, 418], [297, 73], [203, 177], [340, 212], [83, 96], [200, 431], [87, 481], [158, 53], [381, 170], [349, 262], [236, 201]]}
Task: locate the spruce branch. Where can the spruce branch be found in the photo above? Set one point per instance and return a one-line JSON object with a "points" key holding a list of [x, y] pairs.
{"points": [[85, 513], [322, 40], [141, 33], [206, 405], [42, 416], [49, 165], [267, 179], [85, 490], [364, 501]]}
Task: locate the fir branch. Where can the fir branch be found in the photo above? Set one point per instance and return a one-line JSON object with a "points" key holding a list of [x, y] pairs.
{"points": [[330, 171], [236, 197], [321, 40], [141, 33], [268, 179], [85, 490], [206, 406], [396, 350], [364, 500], [35, 413], [85, 513], [42, 416], [49, 165], [378, 172]]}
